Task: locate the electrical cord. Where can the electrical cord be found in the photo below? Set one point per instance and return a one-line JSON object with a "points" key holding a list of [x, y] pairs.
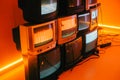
{"points": [[108, 39]]}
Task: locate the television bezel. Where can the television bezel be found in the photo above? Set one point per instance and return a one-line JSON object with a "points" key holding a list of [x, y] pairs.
{"points": [[61, 40], [27, 38]]}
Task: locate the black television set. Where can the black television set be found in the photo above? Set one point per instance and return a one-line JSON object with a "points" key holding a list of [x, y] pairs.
{"points": [[83, 23], [37, 11], [91, 42], [73, 52], [45, 66], [70, 7]]}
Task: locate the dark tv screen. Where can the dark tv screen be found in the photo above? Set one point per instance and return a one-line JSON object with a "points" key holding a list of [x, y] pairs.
{"points": [[49, 63], [73, 51]]}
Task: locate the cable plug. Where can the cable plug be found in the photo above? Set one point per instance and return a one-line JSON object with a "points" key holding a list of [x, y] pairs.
{"points": [[105, 45]]}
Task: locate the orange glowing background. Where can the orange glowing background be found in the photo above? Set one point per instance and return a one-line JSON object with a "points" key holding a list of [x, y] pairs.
{"points": [[11, 16], [109, 12]]}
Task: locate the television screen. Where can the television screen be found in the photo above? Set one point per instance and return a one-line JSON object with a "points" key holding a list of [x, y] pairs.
{"points": [[70, 7], [83, 21], [43, 35], [73, 52], [48, 6], [38, 37], [94, 18], [49, 63], [91, 40], [67, 27]]}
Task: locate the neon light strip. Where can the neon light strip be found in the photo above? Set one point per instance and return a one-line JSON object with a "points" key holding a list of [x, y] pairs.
{"points": [[108, 26], [11, 64]]}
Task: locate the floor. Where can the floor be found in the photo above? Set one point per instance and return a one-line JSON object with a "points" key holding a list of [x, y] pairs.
{"points": [[105, 67]]}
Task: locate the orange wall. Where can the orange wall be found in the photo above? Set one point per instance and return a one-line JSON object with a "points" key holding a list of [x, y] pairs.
{"points": [[110, 10], [10, 17]]}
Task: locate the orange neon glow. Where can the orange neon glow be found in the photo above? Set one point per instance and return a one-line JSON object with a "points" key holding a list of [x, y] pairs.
{"points": [[11, 64], [103, 25]]}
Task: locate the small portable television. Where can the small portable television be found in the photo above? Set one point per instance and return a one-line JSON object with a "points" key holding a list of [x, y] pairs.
{"points": [[94, 18], [69, 7], [73, 52], [38, 10], [90, 3], [37, 38], [83, 22], [91, 41], [67, 29], [50, 64], [45, 66]]}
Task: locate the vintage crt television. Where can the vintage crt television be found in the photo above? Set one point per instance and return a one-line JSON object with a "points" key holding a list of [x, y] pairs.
{"points": [[73, 52], [50, 64], [69, 7], [67, 29], [45, 66], [37, 38], [38, 10], [91, 41], [83, 23], [90, 3], [94, 18]]}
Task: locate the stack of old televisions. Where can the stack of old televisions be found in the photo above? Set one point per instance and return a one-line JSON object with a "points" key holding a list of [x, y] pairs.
{"points": [[78, 46], [58, 34]]}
